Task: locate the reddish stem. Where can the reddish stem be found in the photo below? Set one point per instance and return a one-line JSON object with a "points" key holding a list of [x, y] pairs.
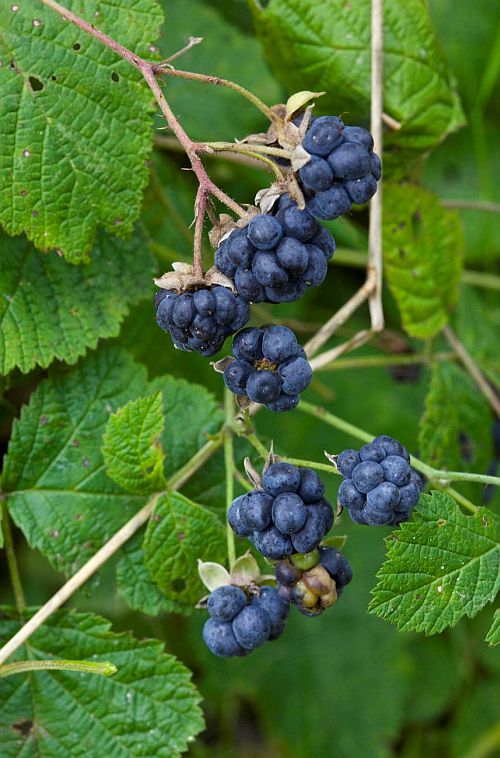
{"points": [[149, 72], [200, 207]]}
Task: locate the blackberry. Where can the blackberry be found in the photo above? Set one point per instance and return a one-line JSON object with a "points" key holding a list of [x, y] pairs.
{"points": [[239, 622], [276, 257], [379, 485], [343, 168], [290, 515], [270, 367], [201, 320]]}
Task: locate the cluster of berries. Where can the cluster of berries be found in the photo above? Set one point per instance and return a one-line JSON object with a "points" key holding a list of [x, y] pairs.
{"points": [[343, 168], [288, 515], [270, 367], [201, 320], [240, 622], [275, 258], [379, 487], [313, 582]]}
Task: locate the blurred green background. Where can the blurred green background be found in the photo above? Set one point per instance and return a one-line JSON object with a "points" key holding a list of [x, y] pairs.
{"points": [[345, 684]]}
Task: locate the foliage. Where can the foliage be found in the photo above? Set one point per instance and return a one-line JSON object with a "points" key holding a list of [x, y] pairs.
{"points": [[101, 419]]}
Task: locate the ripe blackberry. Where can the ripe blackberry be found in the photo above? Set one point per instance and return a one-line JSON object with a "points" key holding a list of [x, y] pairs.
{"points": [[379, 485], [289, 515], [276, 257], [240, 622], [270, 367], [343, 168], [201, 320]]}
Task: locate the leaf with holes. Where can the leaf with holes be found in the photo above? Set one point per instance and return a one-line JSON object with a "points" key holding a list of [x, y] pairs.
{"points": [[179, 533], [148, 708], [51, 311], [58, 491], [493, 636], [440, 566], [326, 46], [131, 445], [423, 256], [455, 429], [76, 123]]}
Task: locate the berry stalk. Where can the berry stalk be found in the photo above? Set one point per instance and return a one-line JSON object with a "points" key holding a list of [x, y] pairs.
{"points": [[229, 467]]}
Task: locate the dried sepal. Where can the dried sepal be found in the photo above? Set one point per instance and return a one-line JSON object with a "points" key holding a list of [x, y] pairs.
{"points": [[221, 365], [266, 198], [271, 458], [225, 225], [331, 458], [300, 157], [182, 279], [243, 402], [252, 475]]}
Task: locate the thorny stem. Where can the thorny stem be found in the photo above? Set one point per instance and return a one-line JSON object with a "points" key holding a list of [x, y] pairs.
{"points": [[242, 147], [10, 554], [229, 467], [84, 667], [149, 71], [199, 210], [206, 79], [383, 361], [260, 448]]}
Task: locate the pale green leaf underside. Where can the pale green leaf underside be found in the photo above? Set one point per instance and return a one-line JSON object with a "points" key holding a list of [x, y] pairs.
{"points": [[455, 430], [59, 493], [326, 46], [179, 533], [149, 708], [75, 122], [493, 636], [131, 445], [52, 311], [440, 566], [423, 255]]}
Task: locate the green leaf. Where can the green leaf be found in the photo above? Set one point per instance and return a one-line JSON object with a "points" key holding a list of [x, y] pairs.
{"points": [[326, 46], [131, 445], [455, 430], [50, 310], [493, 636], [191, 414], [477, 323], [207, 112], [76, 131], [179, 533], [54, 474], [440, 567], [423, 255], [138, 588], [148, 708]]}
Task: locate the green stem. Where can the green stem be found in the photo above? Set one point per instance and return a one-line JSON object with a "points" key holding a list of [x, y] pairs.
{"points": [[437, 476], [229, 466], [15, 577], [232, 147], [328, 467], [376, 361], [86, 667], [257, 444]]}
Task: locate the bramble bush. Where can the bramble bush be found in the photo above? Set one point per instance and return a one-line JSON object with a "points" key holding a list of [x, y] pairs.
{"points": [[186, 265]]}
